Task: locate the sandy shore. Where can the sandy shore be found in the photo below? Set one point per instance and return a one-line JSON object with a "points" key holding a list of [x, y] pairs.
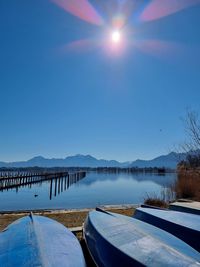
{"points": [[69, 218]]}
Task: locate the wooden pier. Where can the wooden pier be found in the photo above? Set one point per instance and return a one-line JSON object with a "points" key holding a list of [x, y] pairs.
{"points": [[59, 180]]}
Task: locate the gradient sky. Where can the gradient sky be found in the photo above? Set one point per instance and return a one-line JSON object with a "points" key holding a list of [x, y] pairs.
{"points": [[64, 91]]}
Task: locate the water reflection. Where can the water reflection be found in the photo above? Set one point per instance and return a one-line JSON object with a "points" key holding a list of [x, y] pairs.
{"points": [[95, 189], [58, 185], [162, 179]]}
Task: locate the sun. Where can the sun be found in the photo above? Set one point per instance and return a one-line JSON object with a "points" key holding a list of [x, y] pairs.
{"points": [[115, 36], [115, 42]]}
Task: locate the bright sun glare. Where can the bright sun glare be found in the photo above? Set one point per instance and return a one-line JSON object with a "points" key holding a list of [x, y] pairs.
{"points": [[116, 36]]}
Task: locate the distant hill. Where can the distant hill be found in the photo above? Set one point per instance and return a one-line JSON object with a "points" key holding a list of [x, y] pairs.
{"points": [[167, 161], [71, 161]]}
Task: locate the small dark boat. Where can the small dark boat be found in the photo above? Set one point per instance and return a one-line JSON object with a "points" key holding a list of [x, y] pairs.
{"points": [[36, 241], [117, 240], [183, 225]]}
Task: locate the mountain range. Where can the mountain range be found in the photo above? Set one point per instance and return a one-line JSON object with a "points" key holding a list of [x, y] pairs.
{"points": [[168, 161]]}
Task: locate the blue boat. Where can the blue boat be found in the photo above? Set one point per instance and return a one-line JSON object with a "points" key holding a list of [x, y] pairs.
{"points": [[186, 206], [37, 241], [116, 240], [183, 225]]}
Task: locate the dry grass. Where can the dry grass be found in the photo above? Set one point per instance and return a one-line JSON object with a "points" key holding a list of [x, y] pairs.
{"points": [[155, 201], [67, 218], [188, 185], [161, 200]]}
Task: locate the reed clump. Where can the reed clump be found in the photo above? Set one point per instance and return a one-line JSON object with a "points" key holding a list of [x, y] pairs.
{"points": [[187, 185], [156, 202], [161, 200]]}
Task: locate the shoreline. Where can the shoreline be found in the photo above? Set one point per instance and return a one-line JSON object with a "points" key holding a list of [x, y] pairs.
{"points": [[61, 210], [68, 217]]}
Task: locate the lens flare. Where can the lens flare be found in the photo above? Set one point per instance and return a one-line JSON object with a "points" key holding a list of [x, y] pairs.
{"points": [[169, 51], [80, 46], [118, 21], [81, 9], [158, 9]]}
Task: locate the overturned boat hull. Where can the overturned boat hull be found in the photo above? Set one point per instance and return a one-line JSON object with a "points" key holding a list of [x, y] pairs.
{"points": [[39, 241], [183, 225], [117, 240]]}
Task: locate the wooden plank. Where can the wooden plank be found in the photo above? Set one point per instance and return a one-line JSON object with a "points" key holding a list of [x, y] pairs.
{"points": [[76, 229]]}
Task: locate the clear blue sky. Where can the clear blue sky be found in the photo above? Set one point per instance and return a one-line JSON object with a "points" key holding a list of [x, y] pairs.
{"points": [[64, 92]]}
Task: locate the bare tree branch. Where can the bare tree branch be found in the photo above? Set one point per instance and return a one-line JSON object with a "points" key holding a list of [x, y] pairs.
{"points": [[193, 130]]}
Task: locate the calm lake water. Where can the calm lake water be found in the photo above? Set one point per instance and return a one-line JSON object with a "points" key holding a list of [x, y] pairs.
{"points": [[95, 189]]}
